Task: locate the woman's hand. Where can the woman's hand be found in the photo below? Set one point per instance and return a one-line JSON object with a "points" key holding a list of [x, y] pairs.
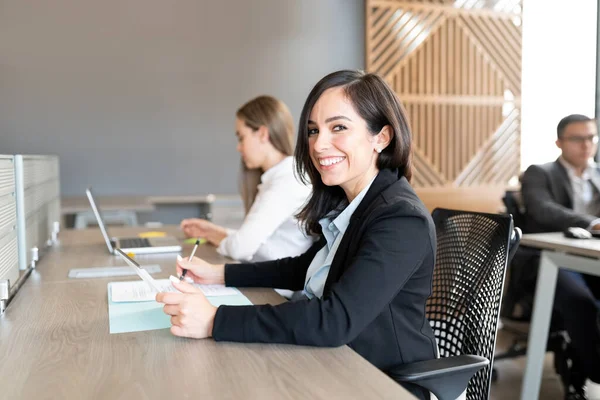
{"points": [[200, 271], [196, 227], [201, 228], [191, 313]]}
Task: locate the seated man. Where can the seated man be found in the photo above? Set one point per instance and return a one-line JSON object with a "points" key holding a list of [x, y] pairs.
{"points": [[562, 194]]}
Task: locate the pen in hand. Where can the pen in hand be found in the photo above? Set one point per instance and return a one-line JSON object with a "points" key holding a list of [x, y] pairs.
{"points": [[190, 259]]}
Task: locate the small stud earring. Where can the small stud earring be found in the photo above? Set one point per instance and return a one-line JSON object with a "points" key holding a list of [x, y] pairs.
{"points": [[378, 150]]}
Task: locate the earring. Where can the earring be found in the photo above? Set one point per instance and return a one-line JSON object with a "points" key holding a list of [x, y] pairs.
{"points": [[378, 150]]}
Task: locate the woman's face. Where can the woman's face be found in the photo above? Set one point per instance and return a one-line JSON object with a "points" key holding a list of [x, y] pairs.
{"points": [[340, 146], [249, 145]]}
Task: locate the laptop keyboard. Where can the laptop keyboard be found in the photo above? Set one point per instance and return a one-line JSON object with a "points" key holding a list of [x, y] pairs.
{"points": [[134, 243]]}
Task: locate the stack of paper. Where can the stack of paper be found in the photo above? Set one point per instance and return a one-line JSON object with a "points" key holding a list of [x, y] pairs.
{"points": [[140, 291], [132, 308]]}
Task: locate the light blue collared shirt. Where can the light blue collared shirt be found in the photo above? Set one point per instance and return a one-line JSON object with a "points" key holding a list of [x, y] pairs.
{"points": [[334, 228]]}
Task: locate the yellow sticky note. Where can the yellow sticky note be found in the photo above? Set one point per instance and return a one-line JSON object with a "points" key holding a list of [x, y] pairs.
{"points": [[152, 234], [193, 240]]}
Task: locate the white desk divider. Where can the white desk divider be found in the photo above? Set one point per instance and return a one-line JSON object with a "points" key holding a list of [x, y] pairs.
{"points": [[38, 205], [9, 265]]}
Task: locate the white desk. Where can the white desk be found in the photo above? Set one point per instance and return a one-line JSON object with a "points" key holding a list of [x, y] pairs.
{"points": [[129, 206], [557, 252], [54, 344]]}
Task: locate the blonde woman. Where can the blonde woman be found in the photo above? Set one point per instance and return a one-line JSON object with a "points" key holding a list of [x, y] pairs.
{"points": [[270, 191]]}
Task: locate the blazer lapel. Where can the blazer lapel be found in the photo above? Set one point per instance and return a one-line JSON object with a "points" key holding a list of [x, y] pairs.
{"points": [[384, 179], [595, 179], [563, 182]]}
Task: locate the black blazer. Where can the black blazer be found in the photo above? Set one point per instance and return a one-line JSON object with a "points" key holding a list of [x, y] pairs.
{"points": [[548, 199], [375, 293]]}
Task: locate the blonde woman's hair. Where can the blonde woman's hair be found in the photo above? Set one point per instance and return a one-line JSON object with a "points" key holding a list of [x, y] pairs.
{"points": [[276, 117]]}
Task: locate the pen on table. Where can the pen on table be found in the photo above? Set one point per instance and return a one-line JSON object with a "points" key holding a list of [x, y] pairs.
{"points": [[190, 259]]}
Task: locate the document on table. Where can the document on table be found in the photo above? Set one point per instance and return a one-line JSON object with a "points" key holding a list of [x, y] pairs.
{"points": [[140, 291], [131, 305]]}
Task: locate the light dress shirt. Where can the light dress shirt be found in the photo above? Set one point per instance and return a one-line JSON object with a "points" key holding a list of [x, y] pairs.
{"points": [[583, 192], [334, 226], [270, 230]]}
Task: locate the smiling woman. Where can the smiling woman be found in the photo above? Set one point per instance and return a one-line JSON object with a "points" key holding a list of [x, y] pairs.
{"points": [[366, 279], [347, 137], [338, 147]]}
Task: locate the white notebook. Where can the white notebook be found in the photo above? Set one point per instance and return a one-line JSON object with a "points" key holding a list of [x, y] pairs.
{"points": [[131, 291]]}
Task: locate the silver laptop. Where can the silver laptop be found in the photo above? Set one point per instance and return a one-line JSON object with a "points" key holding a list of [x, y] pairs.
{"points": [[167, 244]]}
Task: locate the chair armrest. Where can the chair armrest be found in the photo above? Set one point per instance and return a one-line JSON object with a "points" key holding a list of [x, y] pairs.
{"points": [[446, 377]]}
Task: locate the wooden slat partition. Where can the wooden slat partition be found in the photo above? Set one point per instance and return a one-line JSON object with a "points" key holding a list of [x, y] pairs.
{"points": [[486, 198], [456, 66]]}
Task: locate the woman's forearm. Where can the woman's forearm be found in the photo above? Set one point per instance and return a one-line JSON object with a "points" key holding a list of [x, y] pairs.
{"points": [[216, 235]]}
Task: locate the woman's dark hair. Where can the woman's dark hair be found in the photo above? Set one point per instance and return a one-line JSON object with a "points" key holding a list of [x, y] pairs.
{"points": [[378, 105]]}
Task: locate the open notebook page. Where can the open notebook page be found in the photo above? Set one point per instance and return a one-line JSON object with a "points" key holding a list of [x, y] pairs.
{"points": [[140, 291]]}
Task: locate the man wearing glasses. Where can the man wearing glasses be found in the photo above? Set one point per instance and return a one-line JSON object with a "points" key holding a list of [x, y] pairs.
{"points": [[562, 194]]}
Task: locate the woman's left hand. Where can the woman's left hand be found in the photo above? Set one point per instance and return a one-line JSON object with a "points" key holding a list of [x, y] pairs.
{"points": [[191, 313]]}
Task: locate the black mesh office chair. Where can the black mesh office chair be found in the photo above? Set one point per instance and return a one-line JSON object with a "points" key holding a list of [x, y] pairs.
{"points": [[472, 254]]}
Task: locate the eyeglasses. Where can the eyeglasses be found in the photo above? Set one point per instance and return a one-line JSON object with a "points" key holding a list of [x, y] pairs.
{"points": [[581, 139]]}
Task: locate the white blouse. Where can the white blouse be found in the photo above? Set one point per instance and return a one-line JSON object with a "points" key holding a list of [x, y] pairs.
{"points": [[269, 230]]}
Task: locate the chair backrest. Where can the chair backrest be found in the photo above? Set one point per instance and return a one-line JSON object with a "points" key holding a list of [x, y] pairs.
{"points": [[514, 206], [515, 240], [463, 310]]}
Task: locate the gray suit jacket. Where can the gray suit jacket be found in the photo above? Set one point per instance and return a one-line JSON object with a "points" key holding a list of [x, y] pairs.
{"points": [[548, 199]]}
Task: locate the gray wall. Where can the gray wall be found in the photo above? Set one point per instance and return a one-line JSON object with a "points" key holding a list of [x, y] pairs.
{"points": [[139, 96]]}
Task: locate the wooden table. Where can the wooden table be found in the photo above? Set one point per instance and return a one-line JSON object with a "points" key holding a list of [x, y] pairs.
{"points": [[55, 344], [557, 252], [191, 199], [73, 205]]}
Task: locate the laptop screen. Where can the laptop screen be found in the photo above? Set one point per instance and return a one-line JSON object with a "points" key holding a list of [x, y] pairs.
{"points": [[96, 210]]}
